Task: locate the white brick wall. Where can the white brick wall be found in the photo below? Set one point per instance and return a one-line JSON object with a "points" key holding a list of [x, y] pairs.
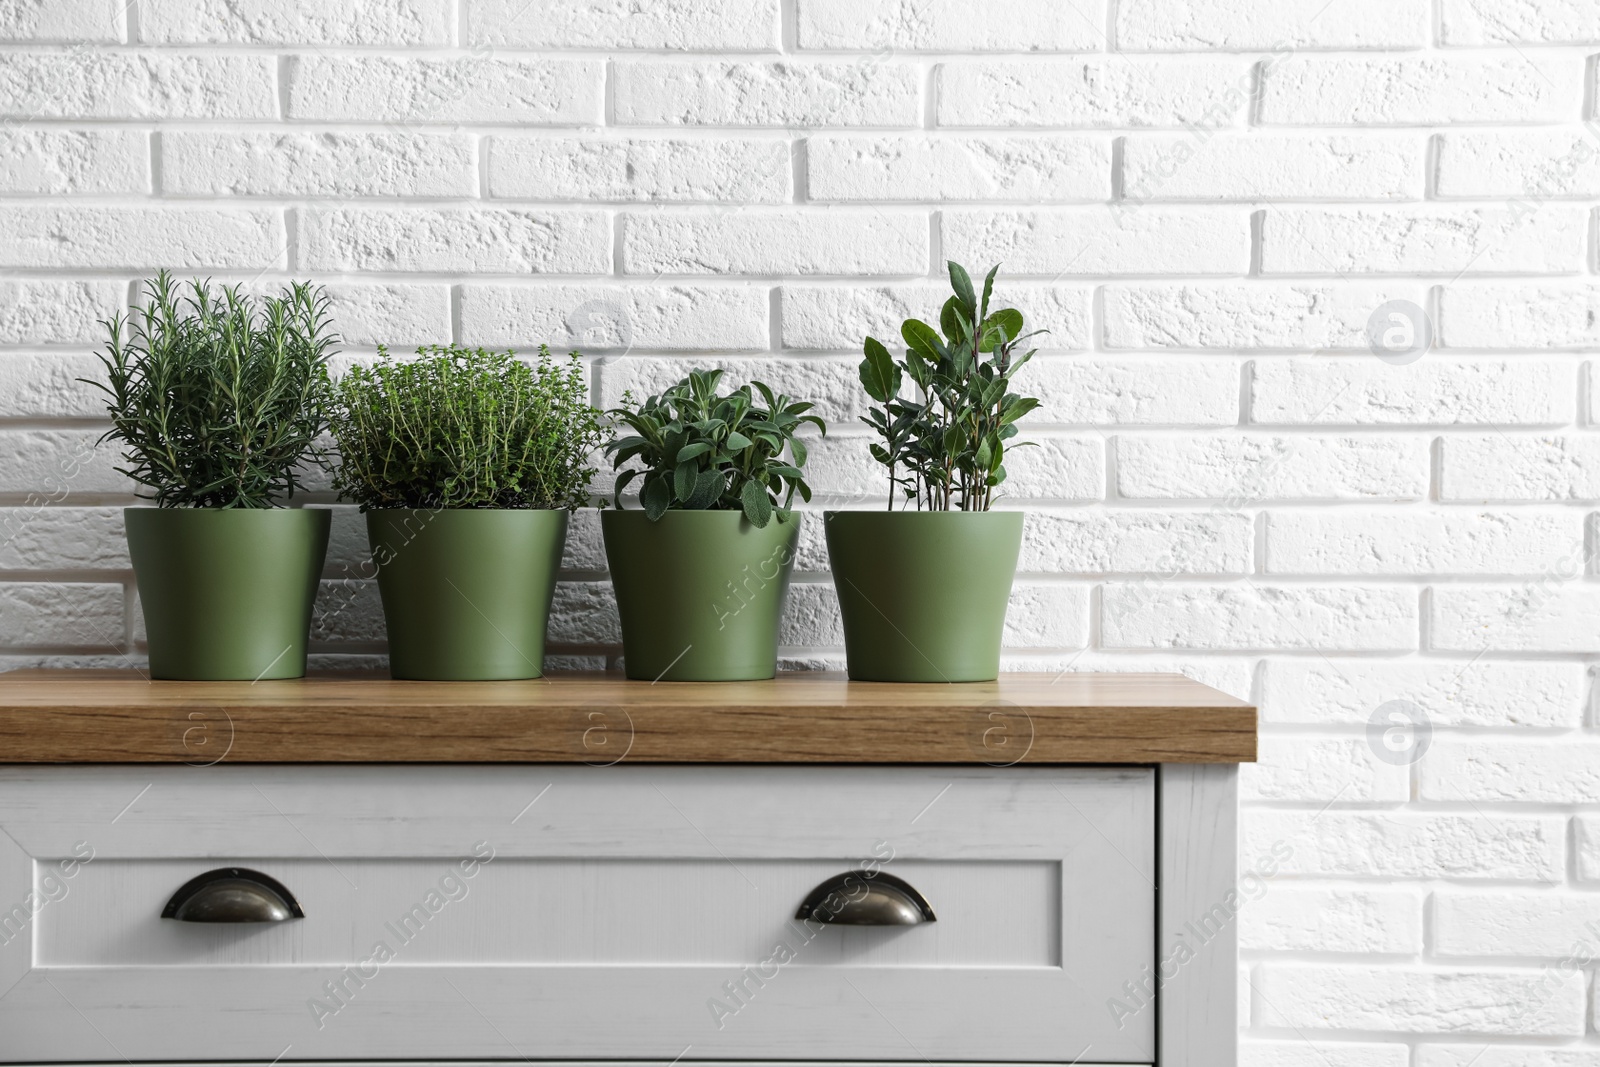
{"points": [[1204, 202]]}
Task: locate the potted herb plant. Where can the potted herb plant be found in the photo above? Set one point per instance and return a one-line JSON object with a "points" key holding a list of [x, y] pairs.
{"points": [[213, 395], [702, 570], [467, 463], [922, 593]]}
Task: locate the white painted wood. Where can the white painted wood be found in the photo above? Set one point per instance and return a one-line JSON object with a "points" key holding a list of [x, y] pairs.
{"points": [[1197, 965], [620, 905]]}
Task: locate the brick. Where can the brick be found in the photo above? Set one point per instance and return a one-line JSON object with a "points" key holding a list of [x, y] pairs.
{"points": [[953, 167], [1097, 392], [1310, 769], [41, 538], [1530, 164], [414, 91], [55, 311], [204, 163], [757, 93], [1490, 467], [60, 614], [949, 26], [141, 237], [1478, 1054], [1481, 692], [121, 85], [394, 315], [1243, 469], [829, 383], [1421, 1001], [1480, 22], [1291, 918], [1061, 468], [1559, 925], [698, 25], [1135, 541], [1282, 26], [584, 614], [37, 385], [1257, 315], [74, 21], [811, 617], [1099, 240], [1544, 314], [1422, 90], [842, 316], [306, 22], [736, 170], [1526, 771], [1544, 614], [1465, 541], [1095, 91], [1430, 239], [591, 317], [1200, 165], [505, 240], [1056, 468], [74, 161], [1405, 844], [48, 466], [1438, 391], [1586, 835], [1047, 616], [346, 612], [775, 241], [1305, 1053], [1166, 614]]}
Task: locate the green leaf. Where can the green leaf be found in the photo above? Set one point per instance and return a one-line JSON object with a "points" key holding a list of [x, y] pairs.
{"points": [[757, 505], [707, 491], [797, 449], [684, 480], [988, 288], [694, 451], [655, 498], [879, 375], [962, 284], [921, 338], [737, 442], [1007, 319]]}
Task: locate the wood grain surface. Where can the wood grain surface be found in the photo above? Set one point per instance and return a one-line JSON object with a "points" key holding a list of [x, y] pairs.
{"points": [[88, 716]]}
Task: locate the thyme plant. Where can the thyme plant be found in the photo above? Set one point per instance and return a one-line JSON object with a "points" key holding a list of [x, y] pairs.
{"points": [[464, 428], [213, 393], [945, 447], [704, 452]]}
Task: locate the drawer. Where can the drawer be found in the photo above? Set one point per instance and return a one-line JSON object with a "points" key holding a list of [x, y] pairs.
{"points": [[576, 912]]}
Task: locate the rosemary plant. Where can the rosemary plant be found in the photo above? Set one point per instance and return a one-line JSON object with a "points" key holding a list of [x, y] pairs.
{"points": [[945, 448], [214, 393], [464, 428]]}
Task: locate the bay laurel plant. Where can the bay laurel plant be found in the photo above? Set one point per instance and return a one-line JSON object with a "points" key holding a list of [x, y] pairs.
{"points": [[213, 392], [701, 451], [464, 428], [945, 445]]}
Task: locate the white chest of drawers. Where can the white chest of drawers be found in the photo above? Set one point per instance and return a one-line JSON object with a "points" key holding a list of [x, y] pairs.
{"points": [[569, 905]]}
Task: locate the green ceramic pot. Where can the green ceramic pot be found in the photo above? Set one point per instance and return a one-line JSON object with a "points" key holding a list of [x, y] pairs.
{"points": [[700, 593], [922, 594], [466, 593], [227, 592]]}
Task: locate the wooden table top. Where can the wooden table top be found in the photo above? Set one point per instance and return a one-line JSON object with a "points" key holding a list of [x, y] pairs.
{"points": [[98, 716]]}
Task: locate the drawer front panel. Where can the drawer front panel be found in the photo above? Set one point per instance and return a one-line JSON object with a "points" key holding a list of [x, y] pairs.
{"points": [[576, 912]]}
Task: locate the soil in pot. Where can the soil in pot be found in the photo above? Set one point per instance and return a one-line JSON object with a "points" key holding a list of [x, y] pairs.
{"points": [[227, 592], [466, 592], [922, 594], [700, 593]]}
